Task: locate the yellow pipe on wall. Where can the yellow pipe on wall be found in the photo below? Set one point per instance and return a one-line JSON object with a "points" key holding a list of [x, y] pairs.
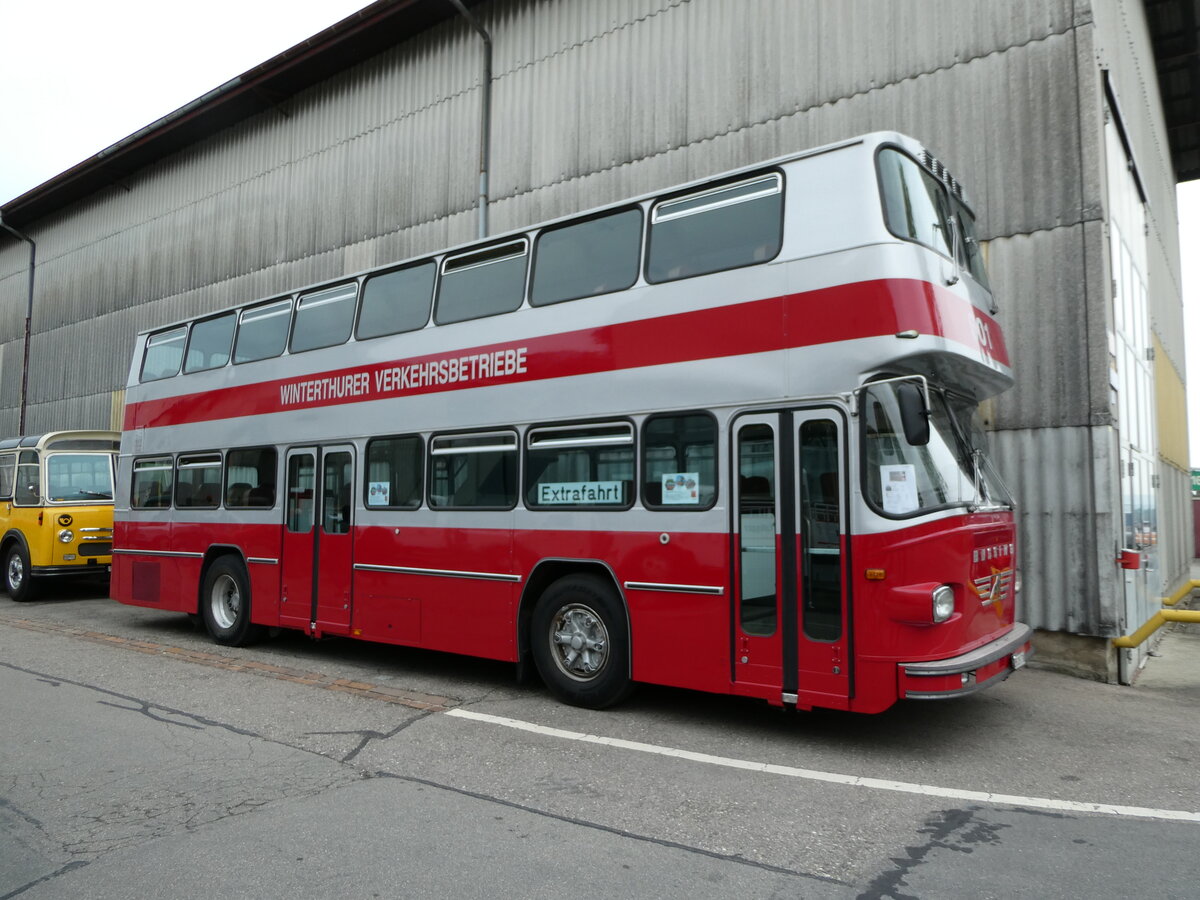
{"points": [[1162, 617]]}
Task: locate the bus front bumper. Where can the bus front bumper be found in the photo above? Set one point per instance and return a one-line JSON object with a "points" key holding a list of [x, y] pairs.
{"points": [[965, 674]]}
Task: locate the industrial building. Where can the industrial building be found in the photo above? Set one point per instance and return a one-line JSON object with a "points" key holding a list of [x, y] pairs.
{"points": [[416, 125]]}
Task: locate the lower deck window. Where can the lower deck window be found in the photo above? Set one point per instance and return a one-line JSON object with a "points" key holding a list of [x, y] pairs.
{"points": [[198, 481], [394, 473], [679, 468], [476, 471], [151, 483], [580, 466], [250, 478]]}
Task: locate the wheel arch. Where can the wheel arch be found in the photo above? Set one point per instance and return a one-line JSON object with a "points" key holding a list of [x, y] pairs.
{"points": [[548, 571]]}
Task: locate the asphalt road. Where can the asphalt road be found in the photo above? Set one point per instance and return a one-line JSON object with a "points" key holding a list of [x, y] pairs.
{"points": [[140, 760]]}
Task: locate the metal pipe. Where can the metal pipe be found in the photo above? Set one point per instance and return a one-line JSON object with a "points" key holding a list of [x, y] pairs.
{"points": [[485, 115], [28, 318], [1162, 617]]}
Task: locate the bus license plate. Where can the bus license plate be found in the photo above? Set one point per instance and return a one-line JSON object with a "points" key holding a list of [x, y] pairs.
{"points": [[1018, 659]]}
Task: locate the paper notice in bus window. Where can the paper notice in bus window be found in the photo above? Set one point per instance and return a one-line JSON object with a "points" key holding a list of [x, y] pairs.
{"points": [[679, 488], [899, 488], [378, 493]]}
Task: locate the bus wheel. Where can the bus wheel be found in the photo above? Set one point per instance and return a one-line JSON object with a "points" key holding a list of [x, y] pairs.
{"points": [[17, 579], [580, 642], [225, 604]]}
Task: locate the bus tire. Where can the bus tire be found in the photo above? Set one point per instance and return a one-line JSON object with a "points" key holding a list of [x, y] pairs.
{"points": [[18, 580], [225, 604], [580, 642]]}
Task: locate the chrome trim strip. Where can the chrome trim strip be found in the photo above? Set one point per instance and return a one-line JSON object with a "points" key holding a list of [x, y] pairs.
{"points": [[179, 553], [711, 589], [262, 560], [88, 530], [438, 573]]}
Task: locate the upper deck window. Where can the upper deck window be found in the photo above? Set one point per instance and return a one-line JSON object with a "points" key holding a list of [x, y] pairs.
{"points": [[914, 202], [208, 347], [164, 352], [482, 283], [324, 318], [715, 229], [396, 301], [970, 240], [263, 331], [587, 258]]}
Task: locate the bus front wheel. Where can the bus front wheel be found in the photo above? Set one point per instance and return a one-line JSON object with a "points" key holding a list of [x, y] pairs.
{"points": [[580, 642], [17, 580], [225, 604]]}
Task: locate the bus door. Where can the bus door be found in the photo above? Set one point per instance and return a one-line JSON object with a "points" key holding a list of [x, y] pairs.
{"points": [[790, 607], [318, 540]]}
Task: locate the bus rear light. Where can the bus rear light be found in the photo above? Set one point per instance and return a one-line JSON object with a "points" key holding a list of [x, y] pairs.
{"points": [[875, 574]]}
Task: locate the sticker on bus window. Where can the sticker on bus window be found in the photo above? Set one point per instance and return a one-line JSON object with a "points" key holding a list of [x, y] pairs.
{"points": [[580, 493], [899, 489], [679, 488], [377, 493]]}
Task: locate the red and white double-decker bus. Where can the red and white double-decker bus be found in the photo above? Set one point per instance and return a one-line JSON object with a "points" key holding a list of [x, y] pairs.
{"points": [[724, 437]]}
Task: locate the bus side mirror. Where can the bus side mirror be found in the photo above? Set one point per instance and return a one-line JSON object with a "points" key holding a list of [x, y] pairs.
{"points": [[914, 414]]}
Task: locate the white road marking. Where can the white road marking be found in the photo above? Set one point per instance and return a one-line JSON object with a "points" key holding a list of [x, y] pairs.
{"points": [[878, 784]]}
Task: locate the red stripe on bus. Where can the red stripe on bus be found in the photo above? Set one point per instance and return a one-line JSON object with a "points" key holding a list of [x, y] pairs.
{"points": [[841, 313]]}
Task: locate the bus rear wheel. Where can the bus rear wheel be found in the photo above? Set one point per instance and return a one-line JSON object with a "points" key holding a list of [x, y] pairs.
{"points": [[225, 604], [17, 577], [580, 642]]}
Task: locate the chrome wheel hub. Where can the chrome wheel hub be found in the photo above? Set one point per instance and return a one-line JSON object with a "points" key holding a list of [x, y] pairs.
{"points": [[225, 602], [16, 572], [579, 642]]}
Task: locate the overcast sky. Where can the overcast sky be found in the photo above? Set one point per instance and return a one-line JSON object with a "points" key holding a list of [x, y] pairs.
{"points": [[76, 76]]}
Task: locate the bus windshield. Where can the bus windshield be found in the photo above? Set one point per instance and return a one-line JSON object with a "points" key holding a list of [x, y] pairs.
{"points": [[903, 479], [79, 476]]}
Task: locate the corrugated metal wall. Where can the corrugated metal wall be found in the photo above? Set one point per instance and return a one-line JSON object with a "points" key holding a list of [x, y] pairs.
{"points": [[598, 100]]}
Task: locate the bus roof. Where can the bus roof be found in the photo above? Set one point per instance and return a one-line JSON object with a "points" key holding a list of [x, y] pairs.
{"points": [[65, 440]]}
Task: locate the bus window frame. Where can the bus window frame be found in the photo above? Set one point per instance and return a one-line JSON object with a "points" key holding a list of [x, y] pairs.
{"points": [[946, 195], [169, 459], [199, 459], [431, 452], [298, 303], [561, 426], [531, 277], [642, 468], [225, 504], [421, 457], [186, 328], [712, 188], [235, 315], [521, 238], [290, 300], [371, 276]]}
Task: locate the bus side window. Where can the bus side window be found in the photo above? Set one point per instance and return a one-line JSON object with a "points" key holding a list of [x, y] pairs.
{"points": [[28, 490], [717, 228], [679, 470], [150, 486], [250, 478], [394, 473], [8, 474]]}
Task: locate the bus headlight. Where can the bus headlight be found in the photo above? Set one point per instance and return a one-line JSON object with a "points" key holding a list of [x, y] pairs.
{"points": [[943, 603], [66, 536]]}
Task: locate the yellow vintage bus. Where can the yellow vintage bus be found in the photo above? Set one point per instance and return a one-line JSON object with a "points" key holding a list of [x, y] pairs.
{"points": [[56, 507]]}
